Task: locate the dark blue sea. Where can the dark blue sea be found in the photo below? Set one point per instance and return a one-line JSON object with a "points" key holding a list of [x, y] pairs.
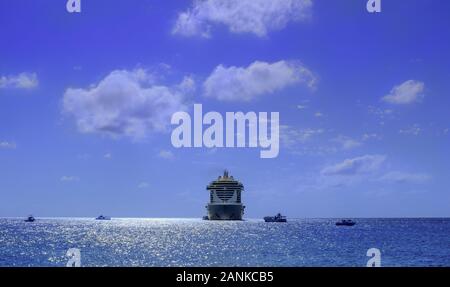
{"points": [[192, 242]]}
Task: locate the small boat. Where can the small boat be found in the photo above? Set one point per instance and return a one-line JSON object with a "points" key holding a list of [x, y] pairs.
{"points": [[276, 218], [102, 217], [30, 218], [345, 222], [205, 217]]}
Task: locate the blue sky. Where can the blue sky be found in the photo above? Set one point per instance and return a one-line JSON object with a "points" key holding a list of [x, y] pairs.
{"points": [[86, 99]]}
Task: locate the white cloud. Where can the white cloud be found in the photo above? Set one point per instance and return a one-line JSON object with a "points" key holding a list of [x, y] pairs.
{"points": [[107, 156], [382, 114], [143, 185], [371, 136], [292, 137], [259, 78], [404, 177], [187, 85], [359, 165], [166, 154], [125, 103], [7, 145], [415, 130], [346, 142], [241, 16], [406, 93], [69, 178], [20, 81], [318, 114]]}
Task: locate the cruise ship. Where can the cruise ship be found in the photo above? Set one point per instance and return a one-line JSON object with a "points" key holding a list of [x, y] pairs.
{"points": [[225, 199]]}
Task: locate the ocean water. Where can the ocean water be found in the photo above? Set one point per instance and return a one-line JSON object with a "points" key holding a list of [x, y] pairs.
{"points": [[192, 242]]}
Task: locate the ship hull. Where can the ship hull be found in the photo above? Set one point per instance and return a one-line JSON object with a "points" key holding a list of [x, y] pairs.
{"points": [[225, 211]]}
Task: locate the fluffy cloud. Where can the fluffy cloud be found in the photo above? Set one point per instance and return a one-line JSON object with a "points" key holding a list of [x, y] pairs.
{"points": [[291, 137], [7, 145], [346, 143], [20, 81], [404, 177], [259, 78], [143, 185], [383, 115], [415, 130], [125, 103], [374, 136], [318, 114], [69, 178], [166, 154], [241, 16], [358, 165], [406, 93]]}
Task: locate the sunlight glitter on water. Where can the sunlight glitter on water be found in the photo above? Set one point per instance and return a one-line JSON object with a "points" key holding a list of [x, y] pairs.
{"points": [[194, 242]]}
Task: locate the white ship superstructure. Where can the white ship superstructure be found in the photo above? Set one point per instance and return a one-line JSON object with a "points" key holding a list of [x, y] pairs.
{"points": [[225, 199]]}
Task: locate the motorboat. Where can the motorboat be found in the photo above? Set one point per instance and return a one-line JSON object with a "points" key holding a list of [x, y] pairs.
{"points": [[276, 218], [30, 218], [345, 222], [102, 217]]}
